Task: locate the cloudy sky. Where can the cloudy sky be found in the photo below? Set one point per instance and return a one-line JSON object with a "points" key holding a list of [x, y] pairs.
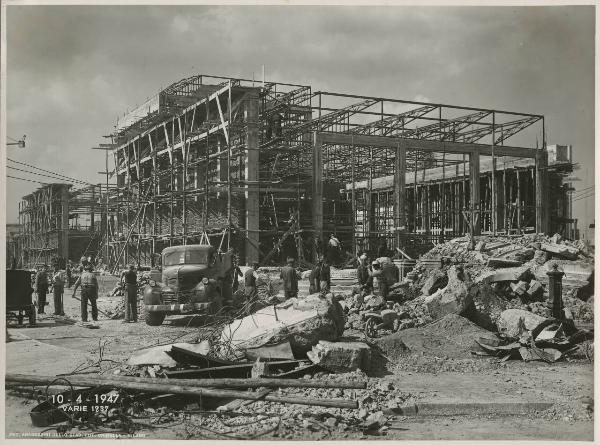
{"points": [[72, 70]]}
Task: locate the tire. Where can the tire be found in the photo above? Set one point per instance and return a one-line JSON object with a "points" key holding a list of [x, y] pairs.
{"points": [[154, 318], [371, 328], [32, 316]]}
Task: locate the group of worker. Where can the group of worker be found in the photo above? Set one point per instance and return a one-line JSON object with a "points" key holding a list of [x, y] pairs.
{"points": [[378, 276], [88, 282], [289, 276]]}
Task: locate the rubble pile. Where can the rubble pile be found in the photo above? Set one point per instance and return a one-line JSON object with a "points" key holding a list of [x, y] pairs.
{"points": [[495, 282]]}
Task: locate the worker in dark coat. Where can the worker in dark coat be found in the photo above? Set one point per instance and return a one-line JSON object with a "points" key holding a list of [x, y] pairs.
{"points": [[289, 275], [313, 280], [389, 274], [250, 281], [325, 276], [237, 273], [129, 279], [89, 292], [41, 287]]}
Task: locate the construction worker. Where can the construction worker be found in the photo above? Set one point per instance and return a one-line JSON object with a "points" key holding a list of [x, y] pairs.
{"points": [[129, 280], [314, 286], [325, 276], [375, 275], [289, 275], [362, 271], [390, 276], [250, 281], [333, 249], [58, 287], [237, 273], [89, 292], [41, 285]]}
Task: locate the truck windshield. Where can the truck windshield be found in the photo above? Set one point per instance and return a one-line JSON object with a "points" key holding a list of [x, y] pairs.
{"points": [[191, 256]]}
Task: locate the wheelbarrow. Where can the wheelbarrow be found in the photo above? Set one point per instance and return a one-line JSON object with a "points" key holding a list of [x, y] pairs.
{"points": [[376, 321]]}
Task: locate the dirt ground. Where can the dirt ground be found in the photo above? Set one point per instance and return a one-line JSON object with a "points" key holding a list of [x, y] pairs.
{"points": [[422, 378]]}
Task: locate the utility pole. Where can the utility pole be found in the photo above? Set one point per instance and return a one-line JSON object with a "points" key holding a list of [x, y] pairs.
{"points": [[108, 174]]}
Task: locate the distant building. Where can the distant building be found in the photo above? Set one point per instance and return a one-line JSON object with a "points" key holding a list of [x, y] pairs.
{"points": [[59, 223]]}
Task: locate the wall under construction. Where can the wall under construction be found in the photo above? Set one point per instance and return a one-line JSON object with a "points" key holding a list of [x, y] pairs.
{"points": [[59, 223], [272, 169]]}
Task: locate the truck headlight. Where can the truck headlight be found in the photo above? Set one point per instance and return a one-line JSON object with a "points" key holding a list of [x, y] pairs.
{"points": [[204, 280]]}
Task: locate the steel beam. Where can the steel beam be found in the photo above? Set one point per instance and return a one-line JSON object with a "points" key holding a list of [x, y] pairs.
{"points": [[426, 145]]}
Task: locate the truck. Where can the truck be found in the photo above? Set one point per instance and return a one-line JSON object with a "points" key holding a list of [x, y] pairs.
{"points": [[195, 279]]}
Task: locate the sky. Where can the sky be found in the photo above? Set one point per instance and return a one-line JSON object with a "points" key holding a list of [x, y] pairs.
{"points": [[73, 70]]}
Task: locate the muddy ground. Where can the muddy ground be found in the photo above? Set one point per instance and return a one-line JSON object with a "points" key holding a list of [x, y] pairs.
{"points": [[418, 376]]}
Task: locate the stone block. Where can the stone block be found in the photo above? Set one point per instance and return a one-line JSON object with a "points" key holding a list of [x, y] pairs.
{"points": [[437, 280], [561, 250], [341, 356], [508, 323], [452, 299]]}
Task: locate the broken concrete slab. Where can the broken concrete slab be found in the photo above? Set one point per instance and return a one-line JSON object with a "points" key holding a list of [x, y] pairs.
{"points": [[561, 250], [452, 299], [303, 321], [508, 323], [487, 306], [436, 280], [341, 356], [535, 287], [519, 288], [280, 351], [541, 256], [508, 274], [158, 354], [499, 262]]}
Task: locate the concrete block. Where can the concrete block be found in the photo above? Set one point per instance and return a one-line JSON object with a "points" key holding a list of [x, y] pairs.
{"points": [[519, 288], [452, 299], [508, 322], [509, 274], [561, 250], [437, 280], [534, 287], [502, 262], [341, 356]]}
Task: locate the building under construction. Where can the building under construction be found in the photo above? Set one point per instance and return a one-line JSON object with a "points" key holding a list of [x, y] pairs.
{"points": [[271, 169], [59, 223]]}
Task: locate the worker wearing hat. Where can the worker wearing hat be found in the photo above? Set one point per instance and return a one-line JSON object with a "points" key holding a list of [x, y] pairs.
{"points": [[289, 275]]}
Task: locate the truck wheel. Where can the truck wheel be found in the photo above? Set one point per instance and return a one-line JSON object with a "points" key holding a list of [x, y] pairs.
{"points": [[32, 316], [153, 318]]}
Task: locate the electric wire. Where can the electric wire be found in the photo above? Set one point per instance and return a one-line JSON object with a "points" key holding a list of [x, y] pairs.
{"points": [[58, 175]]}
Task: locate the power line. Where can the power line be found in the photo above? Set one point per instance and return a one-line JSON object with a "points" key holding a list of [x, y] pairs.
{"points": [[42, 174], [49, 171], [28, 180]]}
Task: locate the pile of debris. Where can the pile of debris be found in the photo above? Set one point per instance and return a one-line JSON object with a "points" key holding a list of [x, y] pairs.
{"points": [[268, 363], [483, 279]]}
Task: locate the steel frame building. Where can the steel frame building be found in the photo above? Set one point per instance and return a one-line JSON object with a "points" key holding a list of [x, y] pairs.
{"points": [[270, 169]]}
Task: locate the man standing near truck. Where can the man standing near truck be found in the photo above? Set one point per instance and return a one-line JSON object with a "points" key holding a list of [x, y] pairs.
{"points": [[41, 286], [58, 287], [89, 292], [129, 279]]}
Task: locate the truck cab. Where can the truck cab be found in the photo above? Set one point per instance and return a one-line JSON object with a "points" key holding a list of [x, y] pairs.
{"points": [[195, 279]]}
